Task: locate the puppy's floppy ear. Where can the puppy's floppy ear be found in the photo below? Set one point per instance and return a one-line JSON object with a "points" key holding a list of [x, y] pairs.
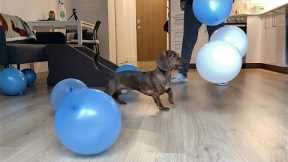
{"points": [[163, 63]]}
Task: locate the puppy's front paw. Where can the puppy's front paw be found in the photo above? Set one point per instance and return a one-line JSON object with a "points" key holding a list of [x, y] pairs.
{"points": [[121, 102], [164, 108], [171, 101]]}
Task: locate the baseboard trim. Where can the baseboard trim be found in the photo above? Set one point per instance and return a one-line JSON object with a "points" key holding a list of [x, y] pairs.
{"points": [[252, 66], [274, 68]]}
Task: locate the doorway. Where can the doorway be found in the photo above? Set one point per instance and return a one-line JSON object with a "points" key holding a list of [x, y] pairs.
{"points": [[151, 16]]}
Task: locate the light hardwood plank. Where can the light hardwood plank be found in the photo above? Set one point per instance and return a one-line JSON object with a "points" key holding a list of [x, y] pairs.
{"points": [[246, 121]]}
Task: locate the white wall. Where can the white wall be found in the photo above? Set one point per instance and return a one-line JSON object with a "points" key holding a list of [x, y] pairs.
{"points": [[118, 35], [118, 31], [112, 31], [93, 10], [30, 9]]}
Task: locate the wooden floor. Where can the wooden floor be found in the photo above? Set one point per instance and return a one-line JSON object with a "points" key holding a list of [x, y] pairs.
{"points": [[246, 121]]}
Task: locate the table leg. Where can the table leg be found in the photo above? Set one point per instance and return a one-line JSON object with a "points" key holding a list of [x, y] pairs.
{"points": [[32, 66], [79, 33]]}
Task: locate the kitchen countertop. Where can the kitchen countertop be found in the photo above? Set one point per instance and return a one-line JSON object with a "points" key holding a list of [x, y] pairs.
{"points": [[264, 12]]}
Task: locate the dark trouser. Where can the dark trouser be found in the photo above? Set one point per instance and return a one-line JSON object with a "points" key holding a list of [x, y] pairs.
{"points": [[191, 28]]}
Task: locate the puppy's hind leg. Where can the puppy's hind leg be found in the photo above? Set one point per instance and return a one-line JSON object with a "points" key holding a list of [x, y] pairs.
{"points": [[170, 96]]}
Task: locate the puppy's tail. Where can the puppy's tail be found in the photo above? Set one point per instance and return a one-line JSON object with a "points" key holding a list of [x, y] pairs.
{"points": [[104, 68]]}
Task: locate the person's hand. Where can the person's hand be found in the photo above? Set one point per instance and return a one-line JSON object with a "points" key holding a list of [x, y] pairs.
{"points": [[182, 5]]}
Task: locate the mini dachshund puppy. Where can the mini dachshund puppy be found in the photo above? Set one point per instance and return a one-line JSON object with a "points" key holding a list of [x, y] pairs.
{"points": [[153, 83]]}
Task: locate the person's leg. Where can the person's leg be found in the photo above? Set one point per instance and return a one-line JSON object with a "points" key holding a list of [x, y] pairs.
{"points": [[191, 27], [212, 29]]}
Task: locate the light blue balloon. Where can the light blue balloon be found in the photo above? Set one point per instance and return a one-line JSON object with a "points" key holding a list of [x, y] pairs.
{"points": [[212, 12], [12, 82], [127, 68], [63, 88], [88, 122], [234, 36], [218, 62]]}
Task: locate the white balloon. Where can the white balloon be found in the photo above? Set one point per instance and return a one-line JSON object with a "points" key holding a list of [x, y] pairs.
{"points": [[234, 36], [218, 62]]}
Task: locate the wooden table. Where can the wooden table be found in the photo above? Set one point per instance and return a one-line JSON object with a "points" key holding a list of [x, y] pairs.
{"points": [[79, 25]]}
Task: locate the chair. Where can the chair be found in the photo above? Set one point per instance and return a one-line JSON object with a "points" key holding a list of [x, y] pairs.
{"points": [[96, 42], [91, 39]]}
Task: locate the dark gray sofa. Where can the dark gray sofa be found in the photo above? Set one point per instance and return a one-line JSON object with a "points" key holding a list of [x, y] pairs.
{"points": [[27, 51]]}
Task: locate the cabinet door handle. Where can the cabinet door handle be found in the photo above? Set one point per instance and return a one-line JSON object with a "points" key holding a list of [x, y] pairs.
{"points": [[267, 22], [139, 27], [274, 21]]}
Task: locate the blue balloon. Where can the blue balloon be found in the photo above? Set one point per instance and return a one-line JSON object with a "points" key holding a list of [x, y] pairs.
{"points": [[127, 67], [88, 122], [63, 88], [212, 12], [12, 82], [30, 76]]}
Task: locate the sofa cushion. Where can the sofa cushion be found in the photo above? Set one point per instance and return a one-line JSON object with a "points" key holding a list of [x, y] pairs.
{"points": [[26, 53]]}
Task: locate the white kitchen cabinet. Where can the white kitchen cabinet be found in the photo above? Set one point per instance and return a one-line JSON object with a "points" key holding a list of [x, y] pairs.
{"points": [[274, 39], [255, 30], [267, 38]]}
